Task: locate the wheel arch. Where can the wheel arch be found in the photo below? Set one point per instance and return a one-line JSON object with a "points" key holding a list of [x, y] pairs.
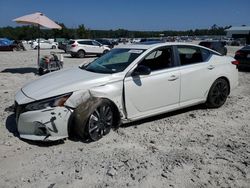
{"points": [[81, 50]]}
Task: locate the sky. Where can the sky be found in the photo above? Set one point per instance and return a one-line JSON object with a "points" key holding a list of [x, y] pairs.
{"points": [[143, 15]]}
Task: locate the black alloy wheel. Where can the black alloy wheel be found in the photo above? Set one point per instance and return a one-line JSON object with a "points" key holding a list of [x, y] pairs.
{"points": [[100, 122], [218, 93]]}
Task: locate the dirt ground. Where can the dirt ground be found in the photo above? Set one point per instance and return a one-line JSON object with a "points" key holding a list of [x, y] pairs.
{"points": [[194, 147]]}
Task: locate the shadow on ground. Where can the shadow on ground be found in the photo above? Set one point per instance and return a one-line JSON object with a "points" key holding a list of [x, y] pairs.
{"points": [[11, 125], [165, 115], [22, 70]]}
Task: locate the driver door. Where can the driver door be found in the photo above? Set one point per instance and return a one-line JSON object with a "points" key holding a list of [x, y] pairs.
{"points": [[157, 92]]}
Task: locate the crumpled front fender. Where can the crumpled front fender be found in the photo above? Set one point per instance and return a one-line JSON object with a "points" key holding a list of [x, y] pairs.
{"points": [[82, 112]]}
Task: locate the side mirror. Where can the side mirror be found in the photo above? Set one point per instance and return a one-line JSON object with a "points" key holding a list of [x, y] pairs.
{"points": [[141, 70]]}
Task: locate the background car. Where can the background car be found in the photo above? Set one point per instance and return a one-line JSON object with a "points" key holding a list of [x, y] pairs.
{"points": [[105, 42], [91, 99], [10, 45], [218, 46], [81, 47], [44, 44], [243, 57], [63, 45]]}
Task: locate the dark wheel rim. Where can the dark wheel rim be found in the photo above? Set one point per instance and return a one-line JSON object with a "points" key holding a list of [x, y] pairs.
{"points": [[100, 122], [219, 93]]}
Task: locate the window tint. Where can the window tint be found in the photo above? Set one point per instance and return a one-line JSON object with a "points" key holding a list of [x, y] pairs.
{"points": [[95, 43], [159, 59], [84, 42], [189, 55]]}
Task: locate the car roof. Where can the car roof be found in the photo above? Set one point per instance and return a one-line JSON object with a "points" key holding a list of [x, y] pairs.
{"points": [[146, 46], [158, 45], [82, 39], [210, 41]]}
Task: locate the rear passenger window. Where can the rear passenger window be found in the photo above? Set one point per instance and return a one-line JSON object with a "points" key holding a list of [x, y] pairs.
{"points": [[95, 43], [85, 42], [190, 55]]}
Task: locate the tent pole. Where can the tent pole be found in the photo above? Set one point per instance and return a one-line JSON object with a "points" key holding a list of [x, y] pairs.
{"points": [[38, 50]]}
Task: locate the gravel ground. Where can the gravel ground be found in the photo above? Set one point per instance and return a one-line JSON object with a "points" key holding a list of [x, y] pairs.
{"points": [[194, 147]]}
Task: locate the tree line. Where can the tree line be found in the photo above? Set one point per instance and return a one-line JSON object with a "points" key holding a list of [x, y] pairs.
{"points": [[32, 32]]}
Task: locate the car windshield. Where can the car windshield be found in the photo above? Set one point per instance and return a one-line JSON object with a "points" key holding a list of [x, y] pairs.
{"points": [[114, 61]]}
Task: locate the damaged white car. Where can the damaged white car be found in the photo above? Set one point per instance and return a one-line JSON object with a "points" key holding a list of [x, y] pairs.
{"points": [[128, 83]]}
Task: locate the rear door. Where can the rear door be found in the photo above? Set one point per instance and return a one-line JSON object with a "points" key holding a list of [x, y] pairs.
{"points": [[197, 73]]}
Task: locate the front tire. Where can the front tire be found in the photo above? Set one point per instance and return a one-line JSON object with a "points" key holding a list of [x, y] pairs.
{"points": [[218, 93], [100, 121]]}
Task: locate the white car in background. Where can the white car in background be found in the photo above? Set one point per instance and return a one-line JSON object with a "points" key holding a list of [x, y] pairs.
{"points": [[44, 44], [127, 84], [81, 47]]}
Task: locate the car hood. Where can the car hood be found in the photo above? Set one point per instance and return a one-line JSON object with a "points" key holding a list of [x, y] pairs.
{"points": [[62, 82]]}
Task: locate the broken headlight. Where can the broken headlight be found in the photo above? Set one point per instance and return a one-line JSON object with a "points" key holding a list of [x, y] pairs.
{"points": [[50, 102]]}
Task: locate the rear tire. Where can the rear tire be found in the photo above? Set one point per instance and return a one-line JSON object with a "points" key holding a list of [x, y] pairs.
{"points": [[73, 55], [53, 47], [81, 54], [105, 51], [218, 93]]}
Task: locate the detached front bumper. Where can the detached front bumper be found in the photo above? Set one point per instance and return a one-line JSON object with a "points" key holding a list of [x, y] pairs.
{"points": [[45, 125]]}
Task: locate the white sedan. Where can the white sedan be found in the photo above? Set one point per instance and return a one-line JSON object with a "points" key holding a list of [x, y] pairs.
{"points": [[44, 44], [128, 83]]}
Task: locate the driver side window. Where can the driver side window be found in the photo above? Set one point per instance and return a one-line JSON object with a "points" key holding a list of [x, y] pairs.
{"points": [[159, 59]]}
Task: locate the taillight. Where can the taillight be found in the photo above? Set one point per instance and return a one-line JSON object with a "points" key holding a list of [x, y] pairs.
{"points": [[73, 45], [235, 62]]}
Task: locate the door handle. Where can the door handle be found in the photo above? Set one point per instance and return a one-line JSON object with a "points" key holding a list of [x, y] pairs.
{"points": [[173, 77], [210, 67]]}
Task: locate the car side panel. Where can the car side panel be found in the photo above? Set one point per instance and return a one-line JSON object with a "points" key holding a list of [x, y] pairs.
{"points": [[195, 81]]}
